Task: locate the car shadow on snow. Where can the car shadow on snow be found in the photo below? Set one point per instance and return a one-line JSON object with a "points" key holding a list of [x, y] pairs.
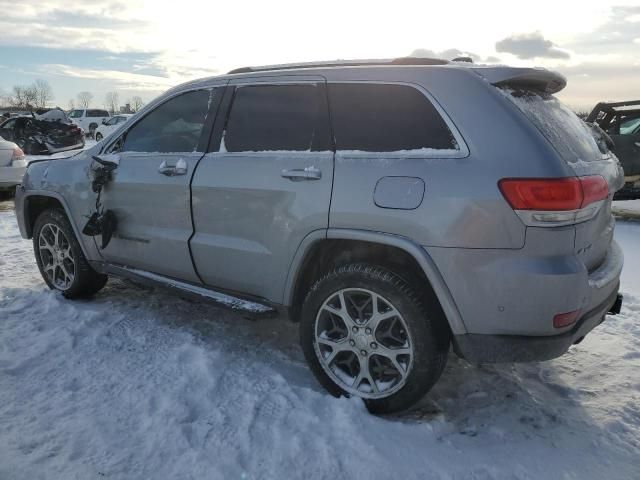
{"points": [[529, 399]]}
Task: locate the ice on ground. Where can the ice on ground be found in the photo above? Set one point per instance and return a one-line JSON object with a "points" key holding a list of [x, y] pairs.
{"points": [[135, 384]]}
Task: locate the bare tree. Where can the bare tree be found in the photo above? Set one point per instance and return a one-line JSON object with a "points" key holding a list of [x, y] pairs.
{"points": [[17, 98], [84, 99], [111, 102], [71, 104], [43, 93], [136, 103], [30, 97]]}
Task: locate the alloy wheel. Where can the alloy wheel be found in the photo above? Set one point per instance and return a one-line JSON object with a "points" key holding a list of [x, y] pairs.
{"points": [[363, 343], [56, 256]]}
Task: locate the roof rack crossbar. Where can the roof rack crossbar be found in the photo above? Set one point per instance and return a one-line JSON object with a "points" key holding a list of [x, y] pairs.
{"points": [[344, 63]]}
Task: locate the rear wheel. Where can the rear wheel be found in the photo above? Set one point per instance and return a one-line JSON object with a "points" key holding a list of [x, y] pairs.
{"points": [[365, 332], [62, 264]]}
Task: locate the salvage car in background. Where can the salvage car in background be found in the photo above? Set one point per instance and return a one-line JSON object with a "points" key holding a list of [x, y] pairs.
{"points": [[621, 121], [12, 165], [108, 126], [89, 119], [43, 134]]}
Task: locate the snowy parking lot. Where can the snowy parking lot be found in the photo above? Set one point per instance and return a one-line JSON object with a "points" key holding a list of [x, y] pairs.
{"points": [[135, 384]]}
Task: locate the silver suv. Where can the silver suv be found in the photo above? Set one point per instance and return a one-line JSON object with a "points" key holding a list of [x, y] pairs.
{"points": [[395, 209]]}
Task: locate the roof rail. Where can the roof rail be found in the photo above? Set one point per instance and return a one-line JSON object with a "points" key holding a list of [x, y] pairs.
{"points": [[344, 63]]}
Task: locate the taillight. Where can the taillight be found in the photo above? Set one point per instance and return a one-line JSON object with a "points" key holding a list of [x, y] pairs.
{"points": [[565, 319], [18, 154], [554, 201]]}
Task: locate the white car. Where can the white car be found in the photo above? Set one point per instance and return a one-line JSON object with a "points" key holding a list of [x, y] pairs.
{"points": [[12, 165], [110, 125], [89, 119]]}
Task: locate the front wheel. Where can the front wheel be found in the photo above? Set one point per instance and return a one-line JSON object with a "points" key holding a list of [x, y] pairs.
{"points": [[60, 260], [365, 332]]}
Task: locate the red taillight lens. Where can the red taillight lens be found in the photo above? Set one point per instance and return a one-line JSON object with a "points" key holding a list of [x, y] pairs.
{"points": [[542, 194], [18, 154], [594, 188], [553, 194], [565, 319]]}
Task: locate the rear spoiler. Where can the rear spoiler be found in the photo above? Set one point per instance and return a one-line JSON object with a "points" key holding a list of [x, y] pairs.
{"points": [[539, 79]]}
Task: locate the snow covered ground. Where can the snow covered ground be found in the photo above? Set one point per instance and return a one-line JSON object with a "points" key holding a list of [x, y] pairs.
{"points": [[138, 385]]}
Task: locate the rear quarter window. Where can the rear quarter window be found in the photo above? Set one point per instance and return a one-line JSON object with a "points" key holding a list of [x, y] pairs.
{"points": [[568, 134], [386, 118]]}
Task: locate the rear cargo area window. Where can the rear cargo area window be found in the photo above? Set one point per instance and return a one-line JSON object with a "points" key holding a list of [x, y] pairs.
{"points": [[275, 117], [569, 135], [386, 118]]}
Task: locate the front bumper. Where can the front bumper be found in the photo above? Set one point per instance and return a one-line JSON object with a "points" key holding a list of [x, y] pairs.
{"points": [[478, 348]]}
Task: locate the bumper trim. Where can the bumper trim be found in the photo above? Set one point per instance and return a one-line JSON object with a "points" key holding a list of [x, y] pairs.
{"points": [[480, 348]]}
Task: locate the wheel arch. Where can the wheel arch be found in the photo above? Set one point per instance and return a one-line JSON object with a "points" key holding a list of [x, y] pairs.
{"points": [[321, 251], [36, 202]]}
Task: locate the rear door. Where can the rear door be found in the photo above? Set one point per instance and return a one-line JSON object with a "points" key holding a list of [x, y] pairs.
{"points": [[265, 185], [149, 193]]}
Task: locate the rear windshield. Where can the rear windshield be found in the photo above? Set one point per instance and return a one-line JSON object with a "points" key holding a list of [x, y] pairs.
{"points": [[570, 136]]}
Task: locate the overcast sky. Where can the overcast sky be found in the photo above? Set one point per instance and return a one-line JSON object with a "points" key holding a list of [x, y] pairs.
{"points": [[140, 47]]}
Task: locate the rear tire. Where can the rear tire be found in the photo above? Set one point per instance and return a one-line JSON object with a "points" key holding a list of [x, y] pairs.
{"points": [[393, 353], [59, 256]]}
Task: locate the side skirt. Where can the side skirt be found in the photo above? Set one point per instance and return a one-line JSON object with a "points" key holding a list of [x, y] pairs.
{"points": [[246, 307]]}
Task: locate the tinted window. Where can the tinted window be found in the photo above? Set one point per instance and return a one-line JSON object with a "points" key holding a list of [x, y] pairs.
{"points": [[385, 118], [97, 113], [277, 117], [174, 126], [76, 113], [629, 126], [9, 123]]}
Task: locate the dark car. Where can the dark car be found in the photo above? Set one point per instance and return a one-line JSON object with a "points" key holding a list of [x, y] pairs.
{"points": [[43, 133], [621, 121]]}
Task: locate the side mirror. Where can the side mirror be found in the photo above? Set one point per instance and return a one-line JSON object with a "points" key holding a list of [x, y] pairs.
{"points": [[104, 122]]}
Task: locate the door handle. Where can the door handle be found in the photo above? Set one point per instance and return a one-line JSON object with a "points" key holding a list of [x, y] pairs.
{"points": [[299, 174], [180, 168]]}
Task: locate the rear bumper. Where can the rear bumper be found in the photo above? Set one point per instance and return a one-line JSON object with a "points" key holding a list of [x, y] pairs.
{"points": [[11, 176], [478, 348]]}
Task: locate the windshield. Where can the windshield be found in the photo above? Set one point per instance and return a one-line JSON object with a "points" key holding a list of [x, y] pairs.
{"points": [[75, 113], [569, 135], [628, 127]]}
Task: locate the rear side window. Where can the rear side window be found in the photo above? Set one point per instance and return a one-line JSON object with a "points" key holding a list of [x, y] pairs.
{"points": [[570, 136], [97, 113], [174, 126], [386, 118], [277, 117]]}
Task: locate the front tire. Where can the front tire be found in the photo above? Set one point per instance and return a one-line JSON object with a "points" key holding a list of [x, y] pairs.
{"points": [[59, 256], [366, 332]]}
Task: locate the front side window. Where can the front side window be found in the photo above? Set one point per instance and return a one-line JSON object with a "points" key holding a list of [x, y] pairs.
{"points": [[174, 126], [75, 113], [112, 121], [276, 118], [386, 118]]}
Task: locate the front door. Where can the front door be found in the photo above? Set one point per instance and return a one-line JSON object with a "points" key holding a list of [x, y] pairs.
{"points": [[149, 193], [265, 185]]}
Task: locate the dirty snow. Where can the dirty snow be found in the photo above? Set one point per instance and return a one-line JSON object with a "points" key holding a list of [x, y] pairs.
{"points": [[135, 384]]}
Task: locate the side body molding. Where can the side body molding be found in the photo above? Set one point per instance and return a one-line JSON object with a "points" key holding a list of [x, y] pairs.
{"points": [[416, 251]]}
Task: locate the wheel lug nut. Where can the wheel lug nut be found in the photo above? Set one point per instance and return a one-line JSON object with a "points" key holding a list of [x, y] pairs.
{"points": [[367, 331], [374, 345], [363, 352], [354, 329], [352, 342]]}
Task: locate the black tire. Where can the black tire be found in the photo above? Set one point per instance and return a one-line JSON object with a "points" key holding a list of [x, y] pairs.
{"points": [[98, 136], [430, 338], [86, 281]]}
